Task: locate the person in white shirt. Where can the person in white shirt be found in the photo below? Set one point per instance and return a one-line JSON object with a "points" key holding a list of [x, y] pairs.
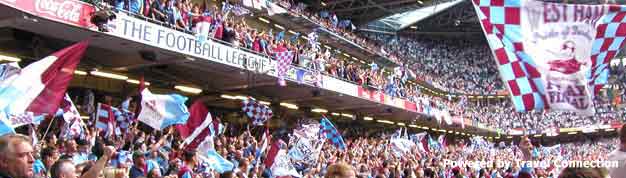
{"points": [[619, 155]]}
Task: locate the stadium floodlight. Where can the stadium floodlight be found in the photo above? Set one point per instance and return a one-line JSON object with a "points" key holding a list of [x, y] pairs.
{"points": [[292, 32], [289, 105], [401, 124], [133, 81], [265, 103], [319, 110], [108, 75], [413, 27], [188, 89], [413, 125], [609, 130], [264, 20], [9, 58], [572, 133], [538, 135], [368, 118], [335, 114], [450, 131], [323, 4], [420, 2], [80, 72]]}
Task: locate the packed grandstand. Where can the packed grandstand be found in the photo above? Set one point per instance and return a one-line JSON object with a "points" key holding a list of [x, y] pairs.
{"points": [[288, 88]]}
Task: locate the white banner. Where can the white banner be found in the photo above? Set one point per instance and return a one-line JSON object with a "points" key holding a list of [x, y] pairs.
{"points": [[163, 37], [559, 39]]}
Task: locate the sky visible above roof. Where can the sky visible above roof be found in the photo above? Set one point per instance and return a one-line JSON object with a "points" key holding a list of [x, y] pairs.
{"points": [[402, 20]]}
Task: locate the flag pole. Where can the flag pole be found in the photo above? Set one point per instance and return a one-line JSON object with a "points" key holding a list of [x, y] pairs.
{"points": [[47, 129]]}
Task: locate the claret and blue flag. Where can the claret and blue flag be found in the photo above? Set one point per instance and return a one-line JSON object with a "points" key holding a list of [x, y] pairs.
{"points": [[552, 56]]}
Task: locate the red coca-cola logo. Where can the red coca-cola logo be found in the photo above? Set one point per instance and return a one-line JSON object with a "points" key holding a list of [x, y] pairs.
{"points": [[9, 1], [62, 9]]}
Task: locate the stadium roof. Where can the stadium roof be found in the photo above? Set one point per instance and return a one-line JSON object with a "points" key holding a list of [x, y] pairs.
{"points": [[402, 20]]}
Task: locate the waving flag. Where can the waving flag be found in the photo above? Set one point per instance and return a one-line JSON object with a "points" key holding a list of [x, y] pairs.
{"points": [[443, 143], [39, 88], [312, 39], [284, 64], [212, 159], [257, 112], [72, 118], [239, 11], [273, 8], [331, 133], [161, 111], [196, 130], [8, 69], [401, 146], [216, 161], [282, 166], [418, 139], [105, 119], [200, 127], [265, 140], [552, 55]]}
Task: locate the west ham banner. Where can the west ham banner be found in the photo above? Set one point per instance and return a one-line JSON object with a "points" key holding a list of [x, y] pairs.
{"points": [[552, 55]]}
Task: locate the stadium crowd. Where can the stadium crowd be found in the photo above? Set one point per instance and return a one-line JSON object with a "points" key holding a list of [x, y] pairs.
{"points": [[501, 114], [139, 154], [456, 66]]}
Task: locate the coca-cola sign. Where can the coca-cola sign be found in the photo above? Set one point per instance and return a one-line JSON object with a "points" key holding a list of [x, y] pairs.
{"points": [[9, 1], [72, 12], [63, 9]]}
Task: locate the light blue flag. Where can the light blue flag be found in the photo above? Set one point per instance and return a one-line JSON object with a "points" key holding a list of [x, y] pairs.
{"points": [[161, 111], [5, 124], [217, 162], [280, 35]]}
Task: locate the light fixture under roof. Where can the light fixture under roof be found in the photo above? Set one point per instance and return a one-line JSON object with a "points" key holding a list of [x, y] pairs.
{"points": [[266, 103], [108, 75], [289, 105], [133, 81], [9, 58], [264, 20], [278, 26], [368, 118], [319, 110], [80, 72], [188, 89], [385, 121]]}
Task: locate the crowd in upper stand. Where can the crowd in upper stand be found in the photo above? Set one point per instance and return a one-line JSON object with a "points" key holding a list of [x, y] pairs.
{"points": [[455, 66], [502, 115]]}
